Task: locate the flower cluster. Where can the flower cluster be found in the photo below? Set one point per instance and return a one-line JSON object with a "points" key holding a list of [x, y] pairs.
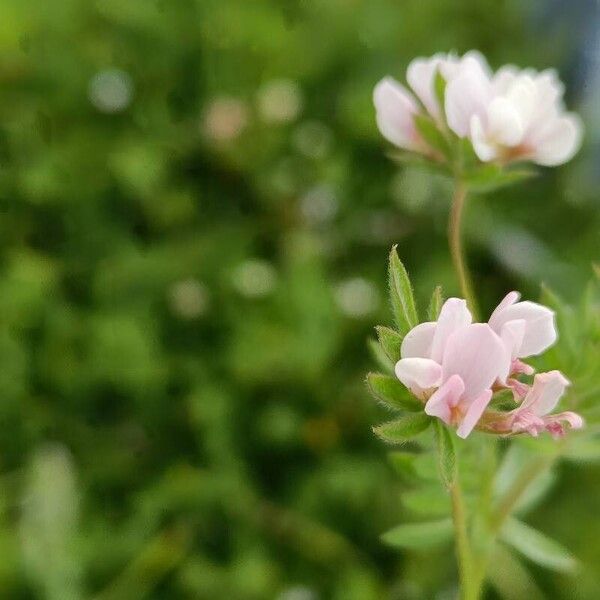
{"points": [[510, 115], [456, 367]]}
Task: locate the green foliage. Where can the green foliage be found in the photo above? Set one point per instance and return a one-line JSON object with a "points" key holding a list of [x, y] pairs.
{"points": [[446, 453], [420, 536], [403, 429], [390, 341], [401, 295], [391, 393], [537, 547], [187, 186]]}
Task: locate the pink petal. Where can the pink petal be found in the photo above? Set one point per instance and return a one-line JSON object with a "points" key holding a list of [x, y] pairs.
{"points": [[574, 420], [395, 108], [445, 399], [453, 316], [507, 301], [478, 355], [473, 414], [418, 374], [421, 76], [540, 331], [545, 392], [417, 342]]}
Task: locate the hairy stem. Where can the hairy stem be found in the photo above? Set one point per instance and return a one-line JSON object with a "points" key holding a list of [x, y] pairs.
{"points": [[456, 247], [468, 586]]}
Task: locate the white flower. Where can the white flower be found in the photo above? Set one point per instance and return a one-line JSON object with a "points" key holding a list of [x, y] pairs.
{"points": [[512, 115]]}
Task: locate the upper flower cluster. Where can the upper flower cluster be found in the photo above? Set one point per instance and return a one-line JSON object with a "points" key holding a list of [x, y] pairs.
{"points": [[512, 114], [456, 366]]}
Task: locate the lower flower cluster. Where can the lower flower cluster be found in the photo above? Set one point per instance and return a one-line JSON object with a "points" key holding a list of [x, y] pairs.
{"points": [[457, 367]]}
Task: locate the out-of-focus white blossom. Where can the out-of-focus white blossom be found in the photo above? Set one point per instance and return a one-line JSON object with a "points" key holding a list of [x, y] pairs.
{"points": [[513, 114], [255, 278], [189, 299], [356, 297], [224, 119], [279, 101], [319, 204], [111, 91]]}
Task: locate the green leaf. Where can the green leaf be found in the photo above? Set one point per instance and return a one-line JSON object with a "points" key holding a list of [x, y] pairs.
{"points": [[435, 304], [390, 341], [401, 293], [490, 177], [419, 161], [402, 429], [429, 500], [392, 393], [432, 135], [510, 578], [446, 453], [403, 463], [418, 536], [537, 547], [380, 357]]}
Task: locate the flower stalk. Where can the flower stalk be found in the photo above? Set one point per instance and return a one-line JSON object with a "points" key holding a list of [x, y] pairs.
{"points": [[456, 246]]}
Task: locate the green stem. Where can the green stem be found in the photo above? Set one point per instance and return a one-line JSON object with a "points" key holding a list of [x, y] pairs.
{"points": [[463, 550], [456, 248]]}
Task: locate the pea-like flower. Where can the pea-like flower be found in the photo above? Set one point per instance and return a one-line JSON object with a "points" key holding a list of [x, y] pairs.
{"points": [[456, 366], [511, 115]]}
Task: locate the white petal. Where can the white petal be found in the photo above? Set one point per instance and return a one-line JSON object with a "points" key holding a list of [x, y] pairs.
{"points": [[540, 331], [478, 355], [504, 78], [467, 94], [421, 76], [473, 414], [443, 400], [545, 393], [417, 342], [485, 149], [512, 335], [505, 125], [418, 374], [453, 315], [559, 141], [395, 108]]}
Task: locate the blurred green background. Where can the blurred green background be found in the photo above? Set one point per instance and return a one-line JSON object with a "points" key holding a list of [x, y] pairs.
{"points": [[196, 211]]}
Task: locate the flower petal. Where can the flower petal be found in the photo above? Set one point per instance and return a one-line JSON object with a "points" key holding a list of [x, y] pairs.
{"points": [[418, 374], [473, 414], [478, 355], [505, 125], [420, 76], [417, 342], [557, 142], [453, 315], [513, 334], [467, 94], [574, 420], [485, 149], [445, 399], [545, 393], [507, 301], [395, 107], [540, 331]]}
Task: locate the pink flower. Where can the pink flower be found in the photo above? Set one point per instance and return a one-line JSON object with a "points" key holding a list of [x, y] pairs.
{"points": [[462, 360], [396, 106], [533, 415]]}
